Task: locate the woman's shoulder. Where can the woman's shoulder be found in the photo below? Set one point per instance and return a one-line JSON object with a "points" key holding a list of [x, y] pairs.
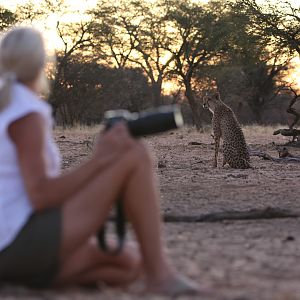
{"points": [[23, 101], [23, 97]]}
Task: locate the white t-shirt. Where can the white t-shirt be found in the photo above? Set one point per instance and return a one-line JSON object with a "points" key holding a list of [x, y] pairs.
{"points": [[15, 206]]}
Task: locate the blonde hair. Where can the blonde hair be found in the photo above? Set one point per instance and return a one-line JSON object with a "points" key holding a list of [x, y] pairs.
{"points": [[22, 58]]}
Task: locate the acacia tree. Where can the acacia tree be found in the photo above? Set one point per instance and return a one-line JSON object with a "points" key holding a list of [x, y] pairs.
{"points": [[75, 38], [254, 86], [196, 36], [7, 18], [280, 20], [149, 38], [89, 89], [134, 34], [29, 12], [247, 70], [278, 26], [111, 44], [83, 87]]}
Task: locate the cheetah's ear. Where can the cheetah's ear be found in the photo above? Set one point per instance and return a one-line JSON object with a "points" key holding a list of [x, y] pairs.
{"points": [[217, 96]]}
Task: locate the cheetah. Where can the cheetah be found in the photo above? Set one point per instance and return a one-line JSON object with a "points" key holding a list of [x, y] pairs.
{"points": [[226, 126]]}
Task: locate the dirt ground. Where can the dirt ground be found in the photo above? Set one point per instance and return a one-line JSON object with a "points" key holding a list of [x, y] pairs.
{"points": [[255, 259]]}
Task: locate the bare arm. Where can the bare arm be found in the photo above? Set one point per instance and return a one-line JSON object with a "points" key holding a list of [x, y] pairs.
{"points": [[28, 136]]}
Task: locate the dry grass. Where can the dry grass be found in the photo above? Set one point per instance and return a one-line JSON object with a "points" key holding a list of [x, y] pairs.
{"points": [[256, 129]]}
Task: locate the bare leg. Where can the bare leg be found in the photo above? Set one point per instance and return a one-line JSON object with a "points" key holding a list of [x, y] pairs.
{"points": [[142, 206], [85, 213], [133, 175], [89, 266]]}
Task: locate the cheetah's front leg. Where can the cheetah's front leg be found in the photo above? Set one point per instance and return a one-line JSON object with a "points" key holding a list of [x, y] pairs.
{"points": [[217, 145], [224, 161], [217, 137]]}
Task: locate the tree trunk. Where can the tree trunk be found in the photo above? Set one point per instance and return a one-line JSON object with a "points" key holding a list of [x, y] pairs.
{"points": [[156, 93], [256, 106], [194, 105]]}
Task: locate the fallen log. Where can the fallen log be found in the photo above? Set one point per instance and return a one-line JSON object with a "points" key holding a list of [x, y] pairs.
{"points": [[284, 156], [287, 132], [252, 214]]}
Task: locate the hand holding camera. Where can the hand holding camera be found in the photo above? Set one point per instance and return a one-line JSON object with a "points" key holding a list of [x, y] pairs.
{"points": [[138, 124], [147, 122], [113, 142]]}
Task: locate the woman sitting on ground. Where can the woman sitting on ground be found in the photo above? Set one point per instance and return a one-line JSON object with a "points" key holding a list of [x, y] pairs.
{"points": [[48, 220]]}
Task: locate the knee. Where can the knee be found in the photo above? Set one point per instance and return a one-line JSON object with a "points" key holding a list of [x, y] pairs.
{"points": [[142, 155]]}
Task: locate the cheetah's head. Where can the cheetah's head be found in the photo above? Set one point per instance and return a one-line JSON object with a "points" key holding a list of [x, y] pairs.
{"points": [[209, 102]]}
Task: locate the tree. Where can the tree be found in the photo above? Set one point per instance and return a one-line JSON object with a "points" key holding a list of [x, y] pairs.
{"points": [[149, 39], [196, 35], [251, 85], [75, 37], [111, 44], [135, 34], [29, 12], [247, 70], [265, 53], [280, 20], [7, 18], [78, 92], [88, 89]]}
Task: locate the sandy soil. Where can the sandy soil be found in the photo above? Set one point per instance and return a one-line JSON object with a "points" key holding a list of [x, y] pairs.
{"points": [[241, 259]]}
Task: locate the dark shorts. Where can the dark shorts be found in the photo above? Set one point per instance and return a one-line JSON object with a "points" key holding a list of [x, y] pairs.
{"points": [[33, 257]]}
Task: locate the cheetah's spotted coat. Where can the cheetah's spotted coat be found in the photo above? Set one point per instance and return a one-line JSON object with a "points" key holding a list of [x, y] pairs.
{"points": [[226, 126]]}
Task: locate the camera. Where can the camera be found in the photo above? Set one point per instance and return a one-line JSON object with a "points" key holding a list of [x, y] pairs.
{"points": [[147, 122]]}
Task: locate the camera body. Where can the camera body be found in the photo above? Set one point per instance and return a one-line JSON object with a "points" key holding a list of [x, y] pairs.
{"points": [[147, 122]]}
